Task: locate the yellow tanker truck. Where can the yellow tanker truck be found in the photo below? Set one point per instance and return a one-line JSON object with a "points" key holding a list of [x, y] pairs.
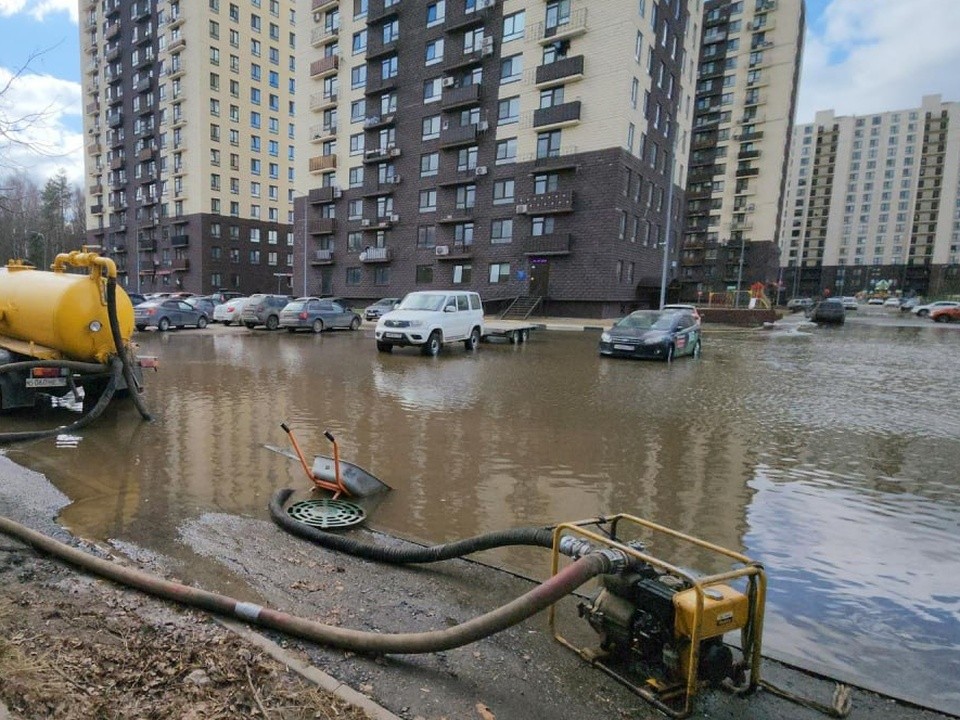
{"points": [[62, 331]]}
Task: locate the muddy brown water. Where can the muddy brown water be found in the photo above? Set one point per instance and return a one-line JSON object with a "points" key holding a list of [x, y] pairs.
{"points": [[831, 455]]}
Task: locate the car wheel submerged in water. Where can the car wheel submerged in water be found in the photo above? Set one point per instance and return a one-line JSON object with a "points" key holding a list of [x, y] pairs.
{"points": [[384, 347], [472, 342], [318, 325], [432, 346]]}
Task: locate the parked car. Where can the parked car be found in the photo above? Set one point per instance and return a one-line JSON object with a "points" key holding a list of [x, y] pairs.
{"points": [[263, 309], [311, 313], [849, 302], [893, 302], [692, 309], [381, 306], [946, 315], [829, 311], [875, 301], [229, 312], [653, 334], [797, 304], [136, 298], [910, 303], [429, 319], [203, 304], [166, 313], [925, 310], [221, 296]]}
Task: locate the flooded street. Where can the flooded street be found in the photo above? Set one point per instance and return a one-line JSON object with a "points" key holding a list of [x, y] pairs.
{"points": [[830, 455]]}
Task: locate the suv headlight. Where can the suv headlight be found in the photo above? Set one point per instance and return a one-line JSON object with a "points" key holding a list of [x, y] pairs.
{"points": [[416, 323], [605, 337]]}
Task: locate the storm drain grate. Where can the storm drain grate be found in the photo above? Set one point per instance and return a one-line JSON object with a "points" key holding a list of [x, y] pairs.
{"points": [[327, 513]]}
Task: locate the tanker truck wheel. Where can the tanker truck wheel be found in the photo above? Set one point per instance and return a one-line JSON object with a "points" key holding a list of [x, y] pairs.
{"points": [[163, 325]]}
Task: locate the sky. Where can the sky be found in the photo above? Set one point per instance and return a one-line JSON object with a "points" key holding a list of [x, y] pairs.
{"points": [[860, 57]]}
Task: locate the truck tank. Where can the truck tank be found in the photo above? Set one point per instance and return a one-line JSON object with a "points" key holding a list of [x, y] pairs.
{"points": [[66, 312]]}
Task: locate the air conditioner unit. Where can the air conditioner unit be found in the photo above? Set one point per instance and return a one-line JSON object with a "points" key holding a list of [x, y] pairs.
{"points": [[449, 82], [483, 126], [317, 17], [394, 179], [442, 249], [481, 170], [487, 48], [394, 152], [749, 26], [751, 208], [372, 151], [337, 192], [394, 217], [391, 146], [521, 209], [366, 222]]}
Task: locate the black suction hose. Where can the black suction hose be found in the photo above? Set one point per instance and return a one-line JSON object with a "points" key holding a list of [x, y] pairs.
{"points": [[530, 536], [128, 375], [539, 598]]}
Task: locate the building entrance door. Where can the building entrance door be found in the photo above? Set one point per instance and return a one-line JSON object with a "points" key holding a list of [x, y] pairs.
{"points": [[539, 276]]}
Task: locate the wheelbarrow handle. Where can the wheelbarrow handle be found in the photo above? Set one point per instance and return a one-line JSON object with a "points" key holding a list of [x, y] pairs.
{"points": [[286, 428], [328, 435]]}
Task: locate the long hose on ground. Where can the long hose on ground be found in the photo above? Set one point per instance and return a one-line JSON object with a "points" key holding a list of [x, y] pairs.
{"points": [[116, 369], [539, 598], [531, 536]]}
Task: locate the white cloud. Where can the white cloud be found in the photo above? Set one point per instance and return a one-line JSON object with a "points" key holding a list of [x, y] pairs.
{"points": [[39, 9], [46, 142], [869, 56]]}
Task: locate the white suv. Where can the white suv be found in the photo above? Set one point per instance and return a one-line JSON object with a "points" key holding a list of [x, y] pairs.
{"points": [[430, 319]]}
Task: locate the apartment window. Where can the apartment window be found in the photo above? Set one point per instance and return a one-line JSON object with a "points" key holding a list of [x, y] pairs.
{"points": [[506, 151], [508, 111], [359, 43], [355, 177], [354, 241], [511, 68], [541, 225], [358, 76], [254, 257], [461, 274], [431, 90], [513, 26], [214, 81], [558, 13], [431, 127], [355, 210], [499, 272], [235, 38], [548, 182], [428, 200], [503, 192], [388, 103], [634, 93], [548, 144], [473, 40], [427, 236], [467, 158], [391, 31], [356, 144], [436, 12], [429, 164], [424, 274], [354, 275], [358, 111], [389, 67], [551, 98], [434, 51], [463, 234], [466, 197], [501, 231], [255, 48]]}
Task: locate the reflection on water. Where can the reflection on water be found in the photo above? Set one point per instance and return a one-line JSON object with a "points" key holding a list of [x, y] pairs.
{"points": [[830, 456]]}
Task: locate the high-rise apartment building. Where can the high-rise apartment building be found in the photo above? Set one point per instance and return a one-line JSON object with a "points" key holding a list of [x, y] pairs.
{"points": [[746, 90], [512, 147], [874, 199], [189, 119]]}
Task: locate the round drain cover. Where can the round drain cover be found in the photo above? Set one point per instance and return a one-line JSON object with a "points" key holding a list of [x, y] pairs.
{"points": [[326, 513]]}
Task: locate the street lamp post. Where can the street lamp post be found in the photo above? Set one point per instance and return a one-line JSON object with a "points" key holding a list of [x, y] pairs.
{"points": [[736, 300], [668, 225]]}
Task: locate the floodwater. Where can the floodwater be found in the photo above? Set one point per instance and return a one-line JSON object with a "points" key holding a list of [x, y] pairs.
{"points": [[831, 455]]}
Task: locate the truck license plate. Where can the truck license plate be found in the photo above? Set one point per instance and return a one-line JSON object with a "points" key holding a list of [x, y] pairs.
{"points": [[46, 382]]}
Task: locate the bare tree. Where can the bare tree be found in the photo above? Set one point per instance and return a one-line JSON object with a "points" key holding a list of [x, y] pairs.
{"points": [[20, 216]]}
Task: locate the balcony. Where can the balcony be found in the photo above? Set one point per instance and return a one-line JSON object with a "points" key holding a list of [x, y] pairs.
{"points": [[323, 195], [458, 135], [458, 60], [93, 108], [372, 186], [376, 255], [561, 159], [458, 20], [323, 163], [559, 72], [322, 34], [145, 154], [378, 11], [96, 189], [321, 257], [376, 85], [117, 163], [112, 52], [377, 49], [181, 240], [557, 116], [748, 154], [320, 101], [457, 251], [112, 31], [319, 133], [97, 209], [555, 244], [747, 172], [546, 203], [322, 226], [576, 25], [379, 223], [143, 85], [148, 245], [324, 66], [459, 215], [115, 119], [454, 177], [176, 45], [319, 5], [94, 148], [378, 121], [180, 265], [454, 97], [380, 154]]}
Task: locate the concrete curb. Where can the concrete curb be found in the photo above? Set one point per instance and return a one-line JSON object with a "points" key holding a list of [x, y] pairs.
{"points": [[306, 671]]}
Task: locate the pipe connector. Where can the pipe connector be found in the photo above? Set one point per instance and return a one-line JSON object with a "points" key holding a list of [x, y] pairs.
{"points": [[574, 547], [617, 559]]}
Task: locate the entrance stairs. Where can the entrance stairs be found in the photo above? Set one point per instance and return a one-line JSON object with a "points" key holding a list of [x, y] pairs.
{"points": [[521, 308]]}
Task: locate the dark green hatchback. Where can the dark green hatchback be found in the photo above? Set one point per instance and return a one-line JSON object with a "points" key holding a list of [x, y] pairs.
{"points": [[653, 335]]}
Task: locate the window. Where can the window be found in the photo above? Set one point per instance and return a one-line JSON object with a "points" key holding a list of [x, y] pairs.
{"points": [[541, 225], [467, 158], [461, 274], [551, 97], [548, 144], [355, 210], [546, 183], [356, 177], [501, 231], [508, 111], [466, 197], [431, 90], [506, 151], [434, 51], [511, 69], [389, 67], [428, 200], [499, 272], [424, 274], [503, 192], [391, 31], [429, 164], [354, 274], [558, 13], [358, 76], [358, 111], [356, 144], [463, 234], [436, 12], [513, 26], [359, 42], [431, 127]]}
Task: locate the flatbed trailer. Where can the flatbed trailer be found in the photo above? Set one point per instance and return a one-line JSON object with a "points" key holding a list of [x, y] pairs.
{"points": [[514, 331]]}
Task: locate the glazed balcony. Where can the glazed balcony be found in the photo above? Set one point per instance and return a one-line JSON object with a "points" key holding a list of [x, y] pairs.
{"points": [[559, 72], [378, 121], [374, 155]]}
